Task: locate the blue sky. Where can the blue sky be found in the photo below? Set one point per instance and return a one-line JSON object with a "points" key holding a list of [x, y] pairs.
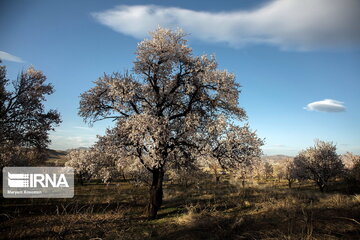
{"points": [[298, 61]]}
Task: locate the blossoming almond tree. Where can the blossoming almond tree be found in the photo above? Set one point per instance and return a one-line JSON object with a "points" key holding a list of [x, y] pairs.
{"points": [[167, 109], [319, 163], [289, 171], [91, 163], [229, 147]]}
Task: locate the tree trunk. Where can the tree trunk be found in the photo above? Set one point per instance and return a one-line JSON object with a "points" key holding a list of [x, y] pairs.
{"points": [[290, 183], [322, 184], [156, 193], [217, 177], [81, 179]]}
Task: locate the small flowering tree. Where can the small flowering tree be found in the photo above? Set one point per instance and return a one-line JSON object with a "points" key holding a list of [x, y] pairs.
{"points": [[78, 159], [93, 163], [88, 164], [268, 170], [352, 170], [289, 171], [166, 110], [230, 147], [355, 169], [246, 171], [319, 163]]}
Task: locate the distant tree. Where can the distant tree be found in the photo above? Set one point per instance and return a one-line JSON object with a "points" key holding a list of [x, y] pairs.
{"points": [[268, 170], [166, 109], [280, 174], [258, 169], [352, 170], [319, 163], [93, 164], [186, 175], [24, 123], [230, 147], [80, 160], [350, 160], [290, 171], [279, 170], [216, 170], [355, 168], [246, 171]]}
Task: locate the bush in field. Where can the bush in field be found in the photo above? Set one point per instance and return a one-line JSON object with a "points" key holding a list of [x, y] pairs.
{"points": [[169, 109], [24, 124], [319, 163]]}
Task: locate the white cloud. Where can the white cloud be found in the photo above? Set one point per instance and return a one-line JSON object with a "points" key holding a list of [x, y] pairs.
{"points": [[301, 25], [84, 128], [8, 57], [326, 105], [60, 142]]}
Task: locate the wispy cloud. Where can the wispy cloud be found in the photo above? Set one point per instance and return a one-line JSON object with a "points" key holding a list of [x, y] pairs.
{"points": [[294, 24], [278, 146], [84, 128], [8, 57], [61, 142], [326, 105]]}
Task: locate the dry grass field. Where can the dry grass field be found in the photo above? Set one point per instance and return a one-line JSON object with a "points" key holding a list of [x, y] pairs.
{"points": [[56, 157], [262, 210]]}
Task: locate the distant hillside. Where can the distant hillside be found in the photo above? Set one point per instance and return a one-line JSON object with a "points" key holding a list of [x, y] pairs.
{"points": [[275, 159], [79, 148], [56, 157]]}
